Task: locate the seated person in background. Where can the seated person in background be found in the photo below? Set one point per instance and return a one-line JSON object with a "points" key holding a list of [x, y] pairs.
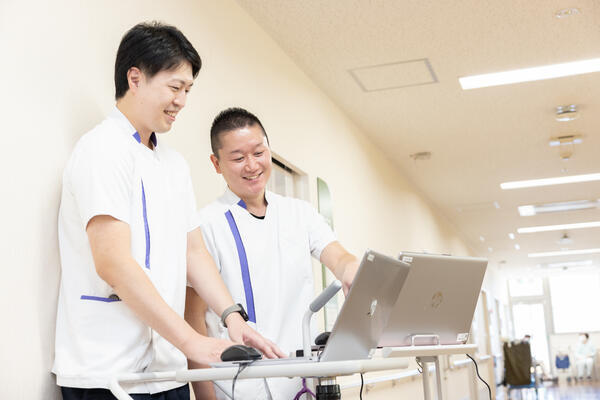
{"points": [[585, 352], [262, 244]]}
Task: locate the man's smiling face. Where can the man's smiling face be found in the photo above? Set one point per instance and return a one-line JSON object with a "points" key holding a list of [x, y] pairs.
{"points": [[161, 97], [244, 160]]}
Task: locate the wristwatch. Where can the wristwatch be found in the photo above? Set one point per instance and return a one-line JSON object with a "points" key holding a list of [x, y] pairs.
{"points": [[234, 308]]}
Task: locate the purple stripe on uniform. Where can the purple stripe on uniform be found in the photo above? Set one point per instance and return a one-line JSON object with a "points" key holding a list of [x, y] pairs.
{"points": [[146, 228], [243, 265], [242, 204], [152, 138], [96, 298]]}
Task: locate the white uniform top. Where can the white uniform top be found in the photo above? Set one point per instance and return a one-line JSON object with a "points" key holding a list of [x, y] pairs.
{"points": [[278, 287], [111, 173], [585, 350]]}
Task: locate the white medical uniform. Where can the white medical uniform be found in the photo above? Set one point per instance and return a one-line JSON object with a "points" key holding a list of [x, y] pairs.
{"points": [[111, 173], [279, 286]]}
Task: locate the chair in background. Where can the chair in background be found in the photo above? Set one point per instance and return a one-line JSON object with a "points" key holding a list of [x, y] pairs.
{"points": [[518, 367], [563, 365]]}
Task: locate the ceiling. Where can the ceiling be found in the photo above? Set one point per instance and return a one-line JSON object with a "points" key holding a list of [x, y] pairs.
{"points": [[412, 102]]}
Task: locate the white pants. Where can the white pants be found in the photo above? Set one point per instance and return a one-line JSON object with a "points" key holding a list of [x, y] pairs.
{"points": [[584, 367]]}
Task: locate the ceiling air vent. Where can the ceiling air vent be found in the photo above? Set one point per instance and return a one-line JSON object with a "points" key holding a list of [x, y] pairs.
{"points": [[395, 75]]}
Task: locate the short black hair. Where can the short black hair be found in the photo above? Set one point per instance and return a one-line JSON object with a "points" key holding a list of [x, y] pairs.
{"points": [[152, 47], [587, 336], [229, 120]]}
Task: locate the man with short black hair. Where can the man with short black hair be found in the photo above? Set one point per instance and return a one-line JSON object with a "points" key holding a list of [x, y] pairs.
{"points": [[262, 244], [129, 237]]}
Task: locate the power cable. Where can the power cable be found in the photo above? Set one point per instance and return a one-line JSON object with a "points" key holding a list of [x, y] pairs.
{"points": [[479, 376], [362, 383], [242, 366]]}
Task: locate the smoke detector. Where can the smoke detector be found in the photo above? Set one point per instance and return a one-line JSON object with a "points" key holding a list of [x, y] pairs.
{"points": [[565, 239], [565, 144], [566, 113], [567, 12]]}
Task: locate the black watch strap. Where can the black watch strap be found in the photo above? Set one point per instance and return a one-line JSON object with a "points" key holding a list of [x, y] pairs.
{"points": [[234, 308]]}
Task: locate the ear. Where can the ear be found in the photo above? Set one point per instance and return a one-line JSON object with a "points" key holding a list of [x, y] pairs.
{"points": [[134, 77], [215, 162]]}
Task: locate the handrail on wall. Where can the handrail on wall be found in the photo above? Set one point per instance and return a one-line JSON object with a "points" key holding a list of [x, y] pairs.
{"points": [[385, 378], [407, 374]]}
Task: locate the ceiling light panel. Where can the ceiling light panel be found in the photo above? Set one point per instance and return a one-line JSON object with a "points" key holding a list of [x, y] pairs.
{"points": [[530, 74], [559, 180], [563, 253], [584, 263], [529, 210], [562, 227]]}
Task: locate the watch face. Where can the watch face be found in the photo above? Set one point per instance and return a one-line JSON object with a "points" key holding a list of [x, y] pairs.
{"points": [[243, 312]]}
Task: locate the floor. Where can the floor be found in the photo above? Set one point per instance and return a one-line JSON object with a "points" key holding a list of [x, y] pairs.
{"points": [[585, 390]]}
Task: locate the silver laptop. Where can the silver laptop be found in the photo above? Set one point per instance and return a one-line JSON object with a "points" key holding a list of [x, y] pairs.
{"points": [[437, 302], [367, 309], [364, 314]]}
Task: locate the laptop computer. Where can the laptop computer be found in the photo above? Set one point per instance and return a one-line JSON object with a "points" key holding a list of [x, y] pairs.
{"points": [[364, 314], [437, 301]]}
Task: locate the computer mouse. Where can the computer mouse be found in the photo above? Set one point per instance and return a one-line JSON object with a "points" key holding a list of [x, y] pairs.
{"points": [[321, 340], [239, 352]]}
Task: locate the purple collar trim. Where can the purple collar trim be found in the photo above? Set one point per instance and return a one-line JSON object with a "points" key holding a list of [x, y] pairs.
{"points": [[137, 137]]}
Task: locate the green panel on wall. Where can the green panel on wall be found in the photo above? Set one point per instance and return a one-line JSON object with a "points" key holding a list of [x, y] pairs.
{"points": [[326, 210]]}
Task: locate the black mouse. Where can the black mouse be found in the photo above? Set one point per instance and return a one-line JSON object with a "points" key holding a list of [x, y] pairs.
{"points": [[321, 340], [239, 352]]}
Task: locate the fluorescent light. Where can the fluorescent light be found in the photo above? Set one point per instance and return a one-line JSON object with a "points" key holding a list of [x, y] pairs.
{"points": [[570, 264], [511, 236], [526, 211], [550, 181], [530, 74], [517, 247], [563, 253], [547, 228]]}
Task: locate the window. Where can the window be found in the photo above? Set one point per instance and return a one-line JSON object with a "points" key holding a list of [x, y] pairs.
{"points": [[575, 296], [530, 320], [530, 286], [282, 180], [286, 181]]}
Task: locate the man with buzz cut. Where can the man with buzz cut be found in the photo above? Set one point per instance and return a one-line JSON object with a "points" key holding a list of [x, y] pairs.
{"points": [[262, 244], [129, 238]]}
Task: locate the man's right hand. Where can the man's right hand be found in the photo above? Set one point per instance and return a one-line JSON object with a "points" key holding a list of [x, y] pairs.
{"points": [[205, 350], [241, 332]]}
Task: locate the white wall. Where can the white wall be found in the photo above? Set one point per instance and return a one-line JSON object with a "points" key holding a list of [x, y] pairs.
{"points": [[57, 66]]}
